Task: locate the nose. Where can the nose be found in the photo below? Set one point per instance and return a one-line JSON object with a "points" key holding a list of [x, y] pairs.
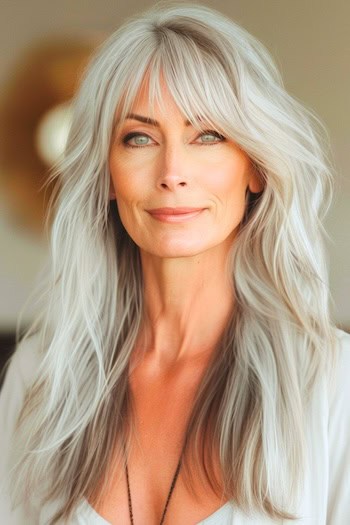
{"points": [[173, 169]]}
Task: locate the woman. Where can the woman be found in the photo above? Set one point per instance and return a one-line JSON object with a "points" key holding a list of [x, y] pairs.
{"points": [[185, 368]]}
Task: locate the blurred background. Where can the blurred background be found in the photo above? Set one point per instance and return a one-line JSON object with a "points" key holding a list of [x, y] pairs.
{"points": [[44, 47]]}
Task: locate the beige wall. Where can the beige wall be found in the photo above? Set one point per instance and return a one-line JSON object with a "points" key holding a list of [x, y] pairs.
{"points": [[310, 41]]}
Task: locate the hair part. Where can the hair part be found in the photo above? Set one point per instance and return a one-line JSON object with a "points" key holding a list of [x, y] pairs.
{"points": [[256, 389]]}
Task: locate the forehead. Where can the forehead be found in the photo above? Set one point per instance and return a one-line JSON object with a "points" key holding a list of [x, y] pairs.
{"points": [[149, 105], [159, 106]]}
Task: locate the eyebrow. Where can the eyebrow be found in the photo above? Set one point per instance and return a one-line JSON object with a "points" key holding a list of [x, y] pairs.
{"points": [[148, 120]]}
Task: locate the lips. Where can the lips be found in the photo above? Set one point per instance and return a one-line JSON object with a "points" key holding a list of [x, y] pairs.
{"points": [[175, 215], [173, 211]]}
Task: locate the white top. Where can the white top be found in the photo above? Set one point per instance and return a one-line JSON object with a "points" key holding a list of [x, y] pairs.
{"points": [[326, 490], [87, 515]]}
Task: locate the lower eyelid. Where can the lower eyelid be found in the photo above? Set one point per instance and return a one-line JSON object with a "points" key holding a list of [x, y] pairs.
{"points": [[130, 136]]}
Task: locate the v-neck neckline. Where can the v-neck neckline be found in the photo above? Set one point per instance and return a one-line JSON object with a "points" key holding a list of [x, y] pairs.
{"points": [[102, 521]]}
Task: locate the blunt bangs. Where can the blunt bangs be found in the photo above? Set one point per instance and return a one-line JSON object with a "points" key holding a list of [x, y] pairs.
{"points": [[196, 80]]}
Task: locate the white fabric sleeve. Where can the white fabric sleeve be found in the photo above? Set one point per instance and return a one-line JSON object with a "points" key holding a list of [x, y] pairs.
{"points": [[338, 509], [20, 373]]}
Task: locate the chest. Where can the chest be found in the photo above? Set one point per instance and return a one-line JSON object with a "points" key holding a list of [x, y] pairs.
{"points": [[162, 408]]}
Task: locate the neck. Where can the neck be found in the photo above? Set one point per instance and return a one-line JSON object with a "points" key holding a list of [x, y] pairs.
{"points": [[187, 304]]}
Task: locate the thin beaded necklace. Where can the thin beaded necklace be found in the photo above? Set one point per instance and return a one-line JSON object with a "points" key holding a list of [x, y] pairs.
{"points": [[169, 495]]}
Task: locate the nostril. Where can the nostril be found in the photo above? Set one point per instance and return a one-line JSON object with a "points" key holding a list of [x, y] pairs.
{"points": [[168, 186]]}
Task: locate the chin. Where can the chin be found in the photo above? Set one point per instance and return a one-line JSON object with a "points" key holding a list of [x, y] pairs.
{"points": [[176, 250]]}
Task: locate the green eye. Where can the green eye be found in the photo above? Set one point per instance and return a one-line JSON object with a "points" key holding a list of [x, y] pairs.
{"points": [[212, 135], [206, 139], [141, 140], [209, 138]]}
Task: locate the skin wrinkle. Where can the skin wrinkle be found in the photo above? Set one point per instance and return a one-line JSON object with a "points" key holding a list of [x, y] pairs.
{"points": [[184, 263], [91, 300]]}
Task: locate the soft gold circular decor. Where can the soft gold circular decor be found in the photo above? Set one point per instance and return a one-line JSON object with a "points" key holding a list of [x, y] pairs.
{"points": [[45, 78]]}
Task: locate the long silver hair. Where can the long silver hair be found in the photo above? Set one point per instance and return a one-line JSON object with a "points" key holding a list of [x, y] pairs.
{"points": [[279, 340]]}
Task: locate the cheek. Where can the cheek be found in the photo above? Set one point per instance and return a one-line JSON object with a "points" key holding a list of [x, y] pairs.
{"points": [[228, 187], [124, 183], [229, 183], [128, 194]]}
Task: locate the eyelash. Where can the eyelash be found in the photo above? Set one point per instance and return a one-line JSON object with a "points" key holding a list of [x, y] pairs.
{"points": [[130, 136]]}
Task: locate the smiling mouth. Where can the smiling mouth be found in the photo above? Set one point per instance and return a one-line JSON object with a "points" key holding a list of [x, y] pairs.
{"points": [[174, 210], [175, 214]]}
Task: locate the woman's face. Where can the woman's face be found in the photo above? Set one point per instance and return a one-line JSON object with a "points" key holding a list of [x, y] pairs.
{"points": [[171, 165]]}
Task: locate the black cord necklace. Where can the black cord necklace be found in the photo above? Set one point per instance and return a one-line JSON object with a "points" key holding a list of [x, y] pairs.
{"points": [[169, 495]]}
